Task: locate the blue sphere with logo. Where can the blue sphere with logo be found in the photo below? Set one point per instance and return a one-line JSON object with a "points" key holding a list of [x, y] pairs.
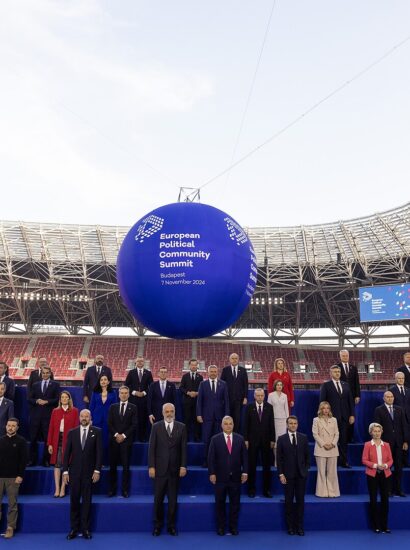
{"points": [[186, 270]]}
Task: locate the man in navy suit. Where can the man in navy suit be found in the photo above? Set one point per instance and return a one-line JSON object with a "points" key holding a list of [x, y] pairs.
{"points": [[405, 369], [138, 381], [6, 409], [236, 379], [292, 458], [337, 393], [9, 382], [81, 468], [43, 398], [395, 433], [160, 392], [189, 388], [227, 468], [92, 375], [35, 374], [212, 405]]}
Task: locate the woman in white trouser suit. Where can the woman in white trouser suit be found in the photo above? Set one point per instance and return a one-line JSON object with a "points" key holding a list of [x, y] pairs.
{"points": [[326, 434]]}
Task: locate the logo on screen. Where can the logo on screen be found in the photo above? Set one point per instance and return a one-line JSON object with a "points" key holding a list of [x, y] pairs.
{"points": [[236, 233], [367, 296], [149, 226]]}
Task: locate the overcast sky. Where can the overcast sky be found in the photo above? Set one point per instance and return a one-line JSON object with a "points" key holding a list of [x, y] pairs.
{"points": [[108, 107]]}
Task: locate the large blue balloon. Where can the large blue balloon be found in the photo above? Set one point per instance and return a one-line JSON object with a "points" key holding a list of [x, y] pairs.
{"points": [[186, 270]]}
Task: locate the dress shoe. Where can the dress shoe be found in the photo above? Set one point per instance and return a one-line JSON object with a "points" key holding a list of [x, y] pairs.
{"points": [[30, 463], [204, 465], [156, 532], [347, 465], [301, 533], [72, 534], [45, 464], [390, 494], [291, 532], [267, 494], [251, 494], [377, 531], [221, 532], [387, 531], [400, 494], [111, 494], [125, 494], [9, 533], [172, 531], [234, 531], [87, 535]]}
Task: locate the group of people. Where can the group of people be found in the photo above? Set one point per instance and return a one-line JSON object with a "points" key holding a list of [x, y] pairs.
{"points": [[79, 443]]}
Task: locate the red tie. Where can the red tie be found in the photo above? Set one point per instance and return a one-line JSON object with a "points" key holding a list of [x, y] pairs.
{"points": [[229, 443]]}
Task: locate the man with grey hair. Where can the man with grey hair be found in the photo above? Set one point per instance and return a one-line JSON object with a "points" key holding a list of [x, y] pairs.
{"points": [[6, 409], [167, 458], [227, 468], [395, 433], [405, 369]]}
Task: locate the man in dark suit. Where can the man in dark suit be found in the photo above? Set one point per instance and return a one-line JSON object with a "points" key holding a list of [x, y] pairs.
{"points": [[167, 452], [6, 409], [138, 381], [160, 392], [81, 468], [227, 468], [292, 458], [212, 405], [9, 382], [122, 424], [189, 388], [92, 375], [395, 433], [236, 379], [259, 435], [405, 369], [402, 399], [35, 374], [43, 398], [339, 396], [349, 374]]}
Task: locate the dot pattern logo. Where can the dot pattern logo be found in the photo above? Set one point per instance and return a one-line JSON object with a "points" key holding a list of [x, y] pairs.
{"points": [[236, 233], [149, 226]]}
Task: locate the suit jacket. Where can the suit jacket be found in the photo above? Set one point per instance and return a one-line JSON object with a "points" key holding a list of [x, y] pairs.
{"points": [[259, 431], [212, 406], [224, 465], [155, 400], [167, 454], [352, 379], [79, 463], [91, 378], [35, 376], [342, 405], [325, 432], [394, 431], [406, 373], [401, 400], [237, 387], [52, 395], [10, 387], [187, 384], [134, 384], [369, 458], [290, 463], [6, 412], [126, 424]]}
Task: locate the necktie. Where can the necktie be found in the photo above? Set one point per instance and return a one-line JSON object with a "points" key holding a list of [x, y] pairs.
{"points": [[391, 412], [401, 390], [169, 429], [339, 389], [122, 409], [346, 369], [260, 412], [193, 377], [213, 386], [45, 386], [162, 388], [294, 440], [229, 443], [139, 375], [84, 438]]}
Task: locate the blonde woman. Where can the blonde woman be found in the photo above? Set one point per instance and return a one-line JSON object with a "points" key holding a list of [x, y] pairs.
{"points": [[326, 435]]}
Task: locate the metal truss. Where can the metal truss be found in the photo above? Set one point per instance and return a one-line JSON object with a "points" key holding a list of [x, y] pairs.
{"points": [[65, 275]]}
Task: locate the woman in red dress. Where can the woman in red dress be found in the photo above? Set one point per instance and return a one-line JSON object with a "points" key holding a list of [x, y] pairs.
{"points": [[63, 419], [280, 372]]}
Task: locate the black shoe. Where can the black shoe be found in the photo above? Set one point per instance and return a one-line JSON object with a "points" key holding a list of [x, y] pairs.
{"points": [[46, 464], [267, 494], [87, 535], [377, 531], [234, 531], [400, 494], [346, 465], [390, 494], [204, 465], [156, 532], [387, 531], [111, 494], [291, 532], [72, 534], [125, 494], [220, 532], [30, 463], [172, 531], [301, 533], [251, 494]]}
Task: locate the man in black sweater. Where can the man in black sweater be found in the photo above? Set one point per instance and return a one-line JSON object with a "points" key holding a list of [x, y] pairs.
{"points": [[13, 460]]}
